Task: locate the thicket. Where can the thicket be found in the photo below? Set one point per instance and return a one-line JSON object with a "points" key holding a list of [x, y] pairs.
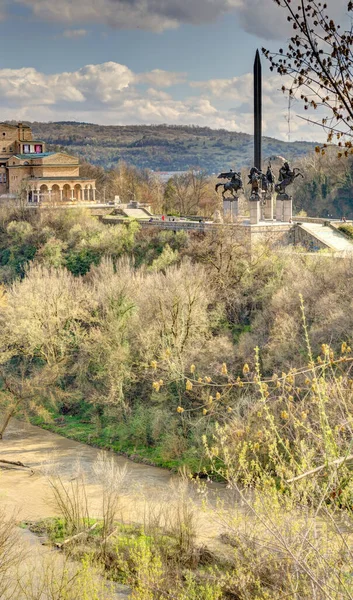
{"points": [[193, 353], [111, 334]]}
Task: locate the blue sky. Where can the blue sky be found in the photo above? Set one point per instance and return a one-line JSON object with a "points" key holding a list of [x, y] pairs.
{"points": [[142, 61]]}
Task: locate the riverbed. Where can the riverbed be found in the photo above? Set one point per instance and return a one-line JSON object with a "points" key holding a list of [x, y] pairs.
{"points": [[29, 496]]}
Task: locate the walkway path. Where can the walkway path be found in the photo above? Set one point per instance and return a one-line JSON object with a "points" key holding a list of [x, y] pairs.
{"points": [[332, 238]]}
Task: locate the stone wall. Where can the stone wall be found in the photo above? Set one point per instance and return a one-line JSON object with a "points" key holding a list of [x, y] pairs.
{"points": [[60, 171], [307, 240], [272, 235]]}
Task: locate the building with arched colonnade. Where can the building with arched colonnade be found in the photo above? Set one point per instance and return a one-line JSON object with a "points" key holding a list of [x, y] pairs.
{"points": [[40, 177]]}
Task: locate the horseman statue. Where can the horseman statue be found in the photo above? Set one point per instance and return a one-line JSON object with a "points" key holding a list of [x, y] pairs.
{"points": [[286, 178], [268, 181], [233, 185], [256, 180]]}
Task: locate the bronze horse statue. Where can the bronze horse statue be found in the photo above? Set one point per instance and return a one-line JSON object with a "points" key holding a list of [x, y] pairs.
{"points": [[234, 185], [256, 180], [286, 178]]}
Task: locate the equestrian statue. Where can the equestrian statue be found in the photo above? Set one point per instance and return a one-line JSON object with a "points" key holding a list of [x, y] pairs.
{"points": [[234, 185], [286, 178], [255, 180]]}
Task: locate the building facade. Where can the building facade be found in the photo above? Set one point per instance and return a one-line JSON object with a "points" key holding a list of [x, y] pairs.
{"points": [[29, 172]]}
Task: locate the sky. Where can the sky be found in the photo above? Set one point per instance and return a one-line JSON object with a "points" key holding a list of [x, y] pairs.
{"points": [[122, 62]]}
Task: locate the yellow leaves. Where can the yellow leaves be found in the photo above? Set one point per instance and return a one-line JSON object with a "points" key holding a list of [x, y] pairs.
{"points": [[325, 349], [192, 369], [229, 409], [307, 381], [208, 379], [304, 415], [188, 385], [210, 399], [284, 415], [180, 410], [246, 369], [167, 353], [157, 385], [200, 380], [204, 412], [154, 364], [239, 382], [344, 348], [2, 297], [218, 396], [224, 369]]}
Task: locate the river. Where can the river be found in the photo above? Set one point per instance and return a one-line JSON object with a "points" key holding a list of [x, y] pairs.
{"points": [[29, 494]]}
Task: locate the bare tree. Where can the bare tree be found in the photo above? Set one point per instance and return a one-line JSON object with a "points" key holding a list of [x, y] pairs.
{"points": [[318, 61]]}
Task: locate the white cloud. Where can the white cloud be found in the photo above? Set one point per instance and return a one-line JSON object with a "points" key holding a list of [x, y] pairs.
{"points": [[262, 18], [256, 16], [110, 93], [75, 33], [160, 78]]}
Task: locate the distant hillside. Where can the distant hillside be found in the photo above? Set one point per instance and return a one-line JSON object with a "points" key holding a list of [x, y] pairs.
{"points": [[161, 147]]}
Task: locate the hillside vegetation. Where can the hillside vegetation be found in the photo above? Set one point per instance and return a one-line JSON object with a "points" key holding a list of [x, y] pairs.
{"points": [[187, 352], [161, 147]]}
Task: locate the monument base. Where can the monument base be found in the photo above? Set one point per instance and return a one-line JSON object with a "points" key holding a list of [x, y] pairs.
{"points": [[279, 210], [287, 210], [255, 212], [267, 208], [230, 209], [284, 208]]}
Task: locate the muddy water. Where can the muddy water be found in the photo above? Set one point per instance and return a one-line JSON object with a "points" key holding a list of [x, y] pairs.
{"points": [[29, 494]]}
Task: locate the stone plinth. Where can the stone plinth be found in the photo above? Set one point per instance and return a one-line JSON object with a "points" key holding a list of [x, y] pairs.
{"points": [[284, 208], [268, 209], [287, 210], [279, 210], [230, 209], [255, 212]]}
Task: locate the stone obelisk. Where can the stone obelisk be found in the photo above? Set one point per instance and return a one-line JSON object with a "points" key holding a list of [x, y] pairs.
{"points": [[257, 112], [254, 205]]}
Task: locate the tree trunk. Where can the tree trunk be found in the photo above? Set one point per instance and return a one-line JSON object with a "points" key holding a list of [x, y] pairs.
{"points": [[6, 421]]}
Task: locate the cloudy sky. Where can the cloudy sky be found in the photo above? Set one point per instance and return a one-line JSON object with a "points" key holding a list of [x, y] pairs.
{"points": [[143, 61]]}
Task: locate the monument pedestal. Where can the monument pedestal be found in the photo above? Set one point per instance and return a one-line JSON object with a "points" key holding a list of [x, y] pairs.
{"points": [[255, 212], [284, 208], [279, 210], [287, 210], [230, 209], [268, 208]]}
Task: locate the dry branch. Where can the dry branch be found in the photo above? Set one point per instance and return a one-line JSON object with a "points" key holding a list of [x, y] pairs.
{"points": [[75, 537], [15, 464], [338, 462]]}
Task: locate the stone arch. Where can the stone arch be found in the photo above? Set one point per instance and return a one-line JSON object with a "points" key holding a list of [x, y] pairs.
{"points": [[67, 192], [43, 193], [78, 192], [55, 193]]}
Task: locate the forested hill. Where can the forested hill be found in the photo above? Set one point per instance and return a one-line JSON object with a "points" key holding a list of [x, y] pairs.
{"points": [[161, 147]]}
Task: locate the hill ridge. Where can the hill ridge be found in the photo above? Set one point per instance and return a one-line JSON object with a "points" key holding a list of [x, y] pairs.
{"points": [[162, 147]]}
